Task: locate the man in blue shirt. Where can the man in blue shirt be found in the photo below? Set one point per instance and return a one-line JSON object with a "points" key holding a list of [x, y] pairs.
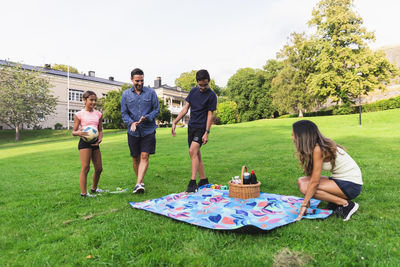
{"points": [[139, 109], [202, 102]]}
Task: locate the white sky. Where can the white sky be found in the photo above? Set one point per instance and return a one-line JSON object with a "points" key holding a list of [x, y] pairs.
{"points": [[166, 37]]}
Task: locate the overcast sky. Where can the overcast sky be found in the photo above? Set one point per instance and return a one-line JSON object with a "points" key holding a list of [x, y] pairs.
{"points": [[166, 37]]}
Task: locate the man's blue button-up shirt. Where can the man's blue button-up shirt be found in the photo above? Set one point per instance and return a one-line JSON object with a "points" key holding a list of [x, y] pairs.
{"points": [[134, 106]]}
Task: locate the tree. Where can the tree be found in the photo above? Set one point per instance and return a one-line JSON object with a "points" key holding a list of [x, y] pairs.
{"points": [[187, 80], [227, 112], [343, 51], [250, 89], [112, 108], [165, 114], [290, 90], [64, 68], [25, 97]]}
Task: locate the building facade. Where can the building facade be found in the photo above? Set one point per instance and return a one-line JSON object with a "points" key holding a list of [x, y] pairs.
{"points": [[69, 88], [174, 98]]}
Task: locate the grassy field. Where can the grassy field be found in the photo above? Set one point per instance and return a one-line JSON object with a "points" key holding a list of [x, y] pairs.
{"points": [[44, 221]]}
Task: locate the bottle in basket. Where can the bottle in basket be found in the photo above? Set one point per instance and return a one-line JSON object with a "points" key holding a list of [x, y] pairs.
{"points": [[253, 178], [246, 178]]}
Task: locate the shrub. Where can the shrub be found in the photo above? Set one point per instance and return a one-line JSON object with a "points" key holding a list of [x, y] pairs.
{"points": [[343, 109], [58, 126], [227, 113]]}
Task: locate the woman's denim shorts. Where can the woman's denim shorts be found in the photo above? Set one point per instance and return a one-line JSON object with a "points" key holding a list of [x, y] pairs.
{"points": [[351, 190]]}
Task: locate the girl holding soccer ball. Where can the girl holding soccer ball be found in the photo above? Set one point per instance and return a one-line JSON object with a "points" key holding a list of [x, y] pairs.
{"points": [[87, 124]]}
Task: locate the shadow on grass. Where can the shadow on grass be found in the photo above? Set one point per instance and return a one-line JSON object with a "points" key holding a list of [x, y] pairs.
{"points": [[46, 140]]}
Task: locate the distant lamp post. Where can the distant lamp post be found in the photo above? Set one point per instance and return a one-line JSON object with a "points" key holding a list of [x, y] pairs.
{"points": [[359, 74]]}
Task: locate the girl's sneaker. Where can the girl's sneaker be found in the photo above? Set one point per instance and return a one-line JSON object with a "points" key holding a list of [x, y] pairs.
{"points": [[98, 190], [87, 195]]}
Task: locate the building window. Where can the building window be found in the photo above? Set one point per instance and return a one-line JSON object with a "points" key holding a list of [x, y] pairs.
{"points": [[75, 95], [40, 116], [71, 114]]}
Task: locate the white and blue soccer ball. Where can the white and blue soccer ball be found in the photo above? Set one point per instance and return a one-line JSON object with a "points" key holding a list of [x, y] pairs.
{"points": [[93, 133]]}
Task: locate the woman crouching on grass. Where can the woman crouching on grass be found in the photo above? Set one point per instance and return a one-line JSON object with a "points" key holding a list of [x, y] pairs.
{"points": [[317, 153], [89, 117]]}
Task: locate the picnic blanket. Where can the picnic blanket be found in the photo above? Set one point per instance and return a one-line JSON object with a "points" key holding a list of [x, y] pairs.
{"points": [[214, 209]]}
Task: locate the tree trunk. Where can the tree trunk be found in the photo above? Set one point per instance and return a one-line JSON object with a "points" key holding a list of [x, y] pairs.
{"points": [[300, 113], [17, 133]]}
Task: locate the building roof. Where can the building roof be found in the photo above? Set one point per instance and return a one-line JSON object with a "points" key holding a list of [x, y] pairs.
{"points": [[63, 73], [172, 88]]}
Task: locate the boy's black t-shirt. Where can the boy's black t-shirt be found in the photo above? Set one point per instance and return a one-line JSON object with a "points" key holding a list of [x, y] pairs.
{"points": [[200, 104]]}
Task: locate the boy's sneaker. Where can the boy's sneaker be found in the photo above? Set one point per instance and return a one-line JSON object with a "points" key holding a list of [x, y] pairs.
{"points": [[138, 189], [346, 212], [331, 206], [203, 182], [98, 190], [192, 187]]}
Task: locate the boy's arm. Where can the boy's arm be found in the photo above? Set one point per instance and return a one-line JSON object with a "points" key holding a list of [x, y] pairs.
{"points": [[208, 126], [180, 116]]}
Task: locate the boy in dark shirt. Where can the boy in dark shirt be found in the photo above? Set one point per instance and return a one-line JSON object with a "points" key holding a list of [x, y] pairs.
{"points": [[202, 102]]}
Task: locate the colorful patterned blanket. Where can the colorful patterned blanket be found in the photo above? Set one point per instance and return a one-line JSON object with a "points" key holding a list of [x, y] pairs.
{"points": [[214, 209]]}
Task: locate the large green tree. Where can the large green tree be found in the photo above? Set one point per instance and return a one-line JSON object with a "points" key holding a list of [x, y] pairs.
{"points": [[187, 80], [112, 108], [250, 89], [25, 97], [290, 90], [63, 67], [342, 44]]}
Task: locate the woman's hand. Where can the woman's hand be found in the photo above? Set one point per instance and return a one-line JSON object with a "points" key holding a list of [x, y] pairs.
{"points": [[303, 210]]}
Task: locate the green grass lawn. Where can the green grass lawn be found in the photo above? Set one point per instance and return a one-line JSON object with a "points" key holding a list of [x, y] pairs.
{"points": [[44, 221]]}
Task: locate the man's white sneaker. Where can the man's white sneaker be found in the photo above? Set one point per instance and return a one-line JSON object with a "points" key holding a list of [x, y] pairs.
{"points": [[138, 189]]}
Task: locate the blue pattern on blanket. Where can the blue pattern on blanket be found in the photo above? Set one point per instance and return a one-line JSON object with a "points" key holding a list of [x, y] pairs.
{"points": [[214, 209]]}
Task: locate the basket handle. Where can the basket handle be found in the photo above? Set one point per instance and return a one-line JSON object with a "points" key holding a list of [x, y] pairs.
{"points": [[244, 169]]}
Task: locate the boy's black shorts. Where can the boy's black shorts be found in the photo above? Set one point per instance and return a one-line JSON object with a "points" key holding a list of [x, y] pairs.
{"points": [[195, 135], [82, 144], [138, 145]]}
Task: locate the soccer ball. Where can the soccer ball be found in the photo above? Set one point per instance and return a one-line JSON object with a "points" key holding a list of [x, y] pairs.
{"points": [[93, 133]]}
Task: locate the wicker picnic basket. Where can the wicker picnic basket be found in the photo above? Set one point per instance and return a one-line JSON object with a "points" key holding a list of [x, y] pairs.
{"points": [[244, 191]]}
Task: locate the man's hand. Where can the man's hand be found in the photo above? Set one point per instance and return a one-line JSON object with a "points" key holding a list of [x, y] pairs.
{"points": [[133, 126], [142, 119], [205, 138], [173, 129]]}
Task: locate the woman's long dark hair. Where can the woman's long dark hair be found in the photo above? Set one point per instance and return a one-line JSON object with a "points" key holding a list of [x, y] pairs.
{"points": [[307, 136]]}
